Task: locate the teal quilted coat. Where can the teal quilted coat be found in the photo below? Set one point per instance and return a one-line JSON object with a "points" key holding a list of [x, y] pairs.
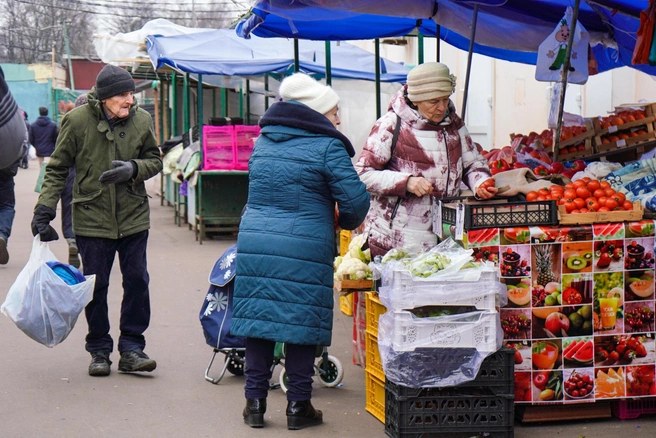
{"points": [[299, 169]]}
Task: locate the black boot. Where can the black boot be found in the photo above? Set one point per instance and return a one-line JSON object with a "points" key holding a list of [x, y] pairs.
{"points": [[254, 412], [301, 414]]}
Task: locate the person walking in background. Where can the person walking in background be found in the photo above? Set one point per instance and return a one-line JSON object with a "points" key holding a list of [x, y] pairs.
{"points": [[299, 170], [111, 145], [43, 135], [420, 149], [25, 160], [12, 143]]}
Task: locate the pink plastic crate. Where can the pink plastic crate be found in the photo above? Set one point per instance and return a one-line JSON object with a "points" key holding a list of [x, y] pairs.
{"points": [[218, 148], [627, 409], [245, 137]]}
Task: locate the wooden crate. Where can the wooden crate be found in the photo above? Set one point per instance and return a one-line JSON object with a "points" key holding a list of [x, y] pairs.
{"points": [[589, 150], [585, 138], [601, 143], [601, 217], [347, 286]]}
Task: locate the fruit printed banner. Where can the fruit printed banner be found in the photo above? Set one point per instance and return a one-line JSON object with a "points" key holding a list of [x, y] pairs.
{"points": [[580, 311]]}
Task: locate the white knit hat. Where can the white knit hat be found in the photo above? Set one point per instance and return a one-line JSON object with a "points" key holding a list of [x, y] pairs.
{"points": [[428, 81], [302, 88]]}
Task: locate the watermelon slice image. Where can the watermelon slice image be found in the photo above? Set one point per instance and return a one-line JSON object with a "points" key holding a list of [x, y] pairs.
{"points": [[572, 349], [585, 353]]}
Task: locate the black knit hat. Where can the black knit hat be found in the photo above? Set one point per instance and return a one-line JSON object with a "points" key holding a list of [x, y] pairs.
{"points": [[112, 81]]}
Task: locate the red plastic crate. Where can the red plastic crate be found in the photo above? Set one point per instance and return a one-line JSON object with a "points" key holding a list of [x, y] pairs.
{"points": [[627, 409], [218, 147], [244, 140]]}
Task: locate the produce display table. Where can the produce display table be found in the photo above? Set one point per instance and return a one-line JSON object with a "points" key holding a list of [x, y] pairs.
{"points": [[220, 197], [580, 309]]}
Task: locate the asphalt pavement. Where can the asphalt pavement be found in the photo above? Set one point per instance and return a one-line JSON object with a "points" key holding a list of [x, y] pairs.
{"points": [[47, 392]]}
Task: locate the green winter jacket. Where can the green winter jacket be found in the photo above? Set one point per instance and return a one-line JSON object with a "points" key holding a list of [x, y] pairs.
{"points": [[87, 143]]}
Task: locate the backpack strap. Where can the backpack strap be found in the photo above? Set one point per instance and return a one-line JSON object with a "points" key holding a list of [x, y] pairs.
{"points": [[395, 137]]}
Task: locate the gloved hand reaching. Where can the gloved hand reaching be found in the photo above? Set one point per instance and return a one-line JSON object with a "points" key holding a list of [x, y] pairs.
{"points": [[122, 171], [41, 223]]}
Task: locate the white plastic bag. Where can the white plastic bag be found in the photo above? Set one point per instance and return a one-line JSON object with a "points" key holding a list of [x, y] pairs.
{"points": [[31, 154], [41, 304]]}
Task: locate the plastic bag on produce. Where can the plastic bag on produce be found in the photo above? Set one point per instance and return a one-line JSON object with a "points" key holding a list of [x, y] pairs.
{"points": [[441, 260], [597, 170], [436, 351], [637, 181], [41, 303]]}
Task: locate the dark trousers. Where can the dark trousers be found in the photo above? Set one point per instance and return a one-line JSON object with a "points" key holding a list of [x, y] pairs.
{"points": [[299, 364], [66, 199], [98, 255], [7, 203]]}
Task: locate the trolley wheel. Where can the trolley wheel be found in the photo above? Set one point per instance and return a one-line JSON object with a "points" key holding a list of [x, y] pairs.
{"points": [[331, 373], [283, 380], [235, 363]]}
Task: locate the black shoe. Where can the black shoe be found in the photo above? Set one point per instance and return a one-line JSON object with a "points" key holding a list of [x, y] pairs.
{"points": [[301, 414], [73, 257], [100, 364], [4, 254], [254, 412], [136, 360]]}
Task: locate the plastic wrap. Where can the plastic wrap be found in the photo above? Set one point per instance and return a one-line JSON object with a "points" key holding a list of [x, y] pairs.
{"points": [[436, 351]]}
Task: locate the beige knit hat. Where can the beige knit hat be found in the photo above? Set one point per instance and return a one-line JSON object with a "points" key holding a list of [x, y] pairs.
{"points": [[431, 80], [302, 88]]}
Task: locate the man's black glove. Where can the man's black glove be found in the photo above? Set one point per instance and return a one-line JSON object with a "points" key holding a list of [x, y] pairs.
{"points": [[122, 171], [41, 223]]}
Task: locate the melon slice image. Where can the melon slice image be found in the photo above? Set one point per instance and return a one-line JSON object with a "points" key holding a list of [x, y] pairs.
{"points": [[519, 296], [642, 288]]}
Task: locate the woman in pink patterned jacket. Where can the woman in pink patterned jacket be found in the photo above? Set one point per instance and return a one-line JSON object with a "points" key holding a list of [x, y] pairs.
{"points": [[432, 154]]}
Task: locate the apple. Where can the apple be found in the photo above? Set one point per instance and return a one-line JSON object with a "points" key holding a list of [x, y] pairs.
{"points": [[557, 322]]}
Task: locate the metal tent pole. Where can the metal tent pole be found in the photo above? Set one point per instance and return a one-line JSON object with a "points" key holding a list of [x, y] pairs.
{"points": [[377, 61], [469, 61], [297, 66], [563, 79], [329, 76], [185, 103], [174, 104]]}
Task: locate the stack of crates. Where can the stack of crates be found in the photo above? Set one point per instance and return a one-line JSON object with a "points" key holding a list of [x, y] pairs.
{"points": [[228, 147], [374, 374], [482, 406]]}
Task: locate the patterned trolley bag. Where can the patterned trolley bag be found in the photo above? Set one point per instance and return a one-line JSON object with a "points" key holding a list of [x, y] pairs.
{"points": [[216, 317]]}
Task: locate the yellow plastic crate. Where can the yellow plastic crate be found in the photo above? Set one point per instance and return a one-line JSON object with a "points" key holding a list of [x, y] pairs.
{"points": [[375, 397], [374, 364], [374, 309], [346, 304], [344, 240]]}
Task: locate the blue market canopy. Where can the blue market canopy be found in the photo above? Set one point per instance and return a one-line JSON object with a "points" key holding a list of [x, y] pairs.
{"points": [[222, 52], [506, 29]]}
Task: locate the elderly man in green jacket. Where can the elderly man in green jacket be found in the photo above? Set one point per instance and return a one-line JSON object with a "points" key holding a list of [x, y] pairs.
{"points": [[110, 143]]}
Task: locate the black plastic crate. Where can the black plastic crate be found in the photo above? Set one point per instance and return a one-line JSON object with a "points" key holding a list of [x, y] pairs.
{"points": [[223, 121], [511, 214], [497, 371], [411, 412]]}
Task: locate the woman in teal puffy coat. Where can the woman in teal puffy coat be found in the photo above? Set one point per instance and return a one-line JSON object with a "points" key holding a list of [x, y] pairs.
{"points": [[300, 169]]}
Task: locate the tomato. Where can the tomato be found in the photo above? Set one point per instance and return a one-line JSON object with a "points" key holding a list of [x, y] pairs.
{"points": [[532, 196], [583, 192], [569, 194], [609, 192], [593, 185], [576, 211], [543, 191], [586, 179], [627, 205], [611, 204], [602, 200], [599, 193], [541, 198], [619, 197], [570, 206], [579, 202], [603, 209], [569, 186], [488, 183], [593, 205], [584, 210], [578, 184]]}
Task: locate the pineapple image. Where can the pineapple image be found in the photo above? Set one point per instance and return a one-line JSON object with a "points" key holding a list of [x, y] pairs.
{"points": [[543, 263]]}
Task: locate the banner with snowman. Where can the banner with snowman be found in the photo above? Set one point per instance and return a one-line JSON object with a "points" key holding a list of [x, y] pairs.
{"points": [[551, 53]]}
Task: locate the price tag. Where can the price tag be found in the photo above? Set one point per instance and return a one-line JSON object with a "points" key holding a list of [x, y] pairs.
{"points": [[621, 143], [612, 128], [460, 222], [436, 213]]}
